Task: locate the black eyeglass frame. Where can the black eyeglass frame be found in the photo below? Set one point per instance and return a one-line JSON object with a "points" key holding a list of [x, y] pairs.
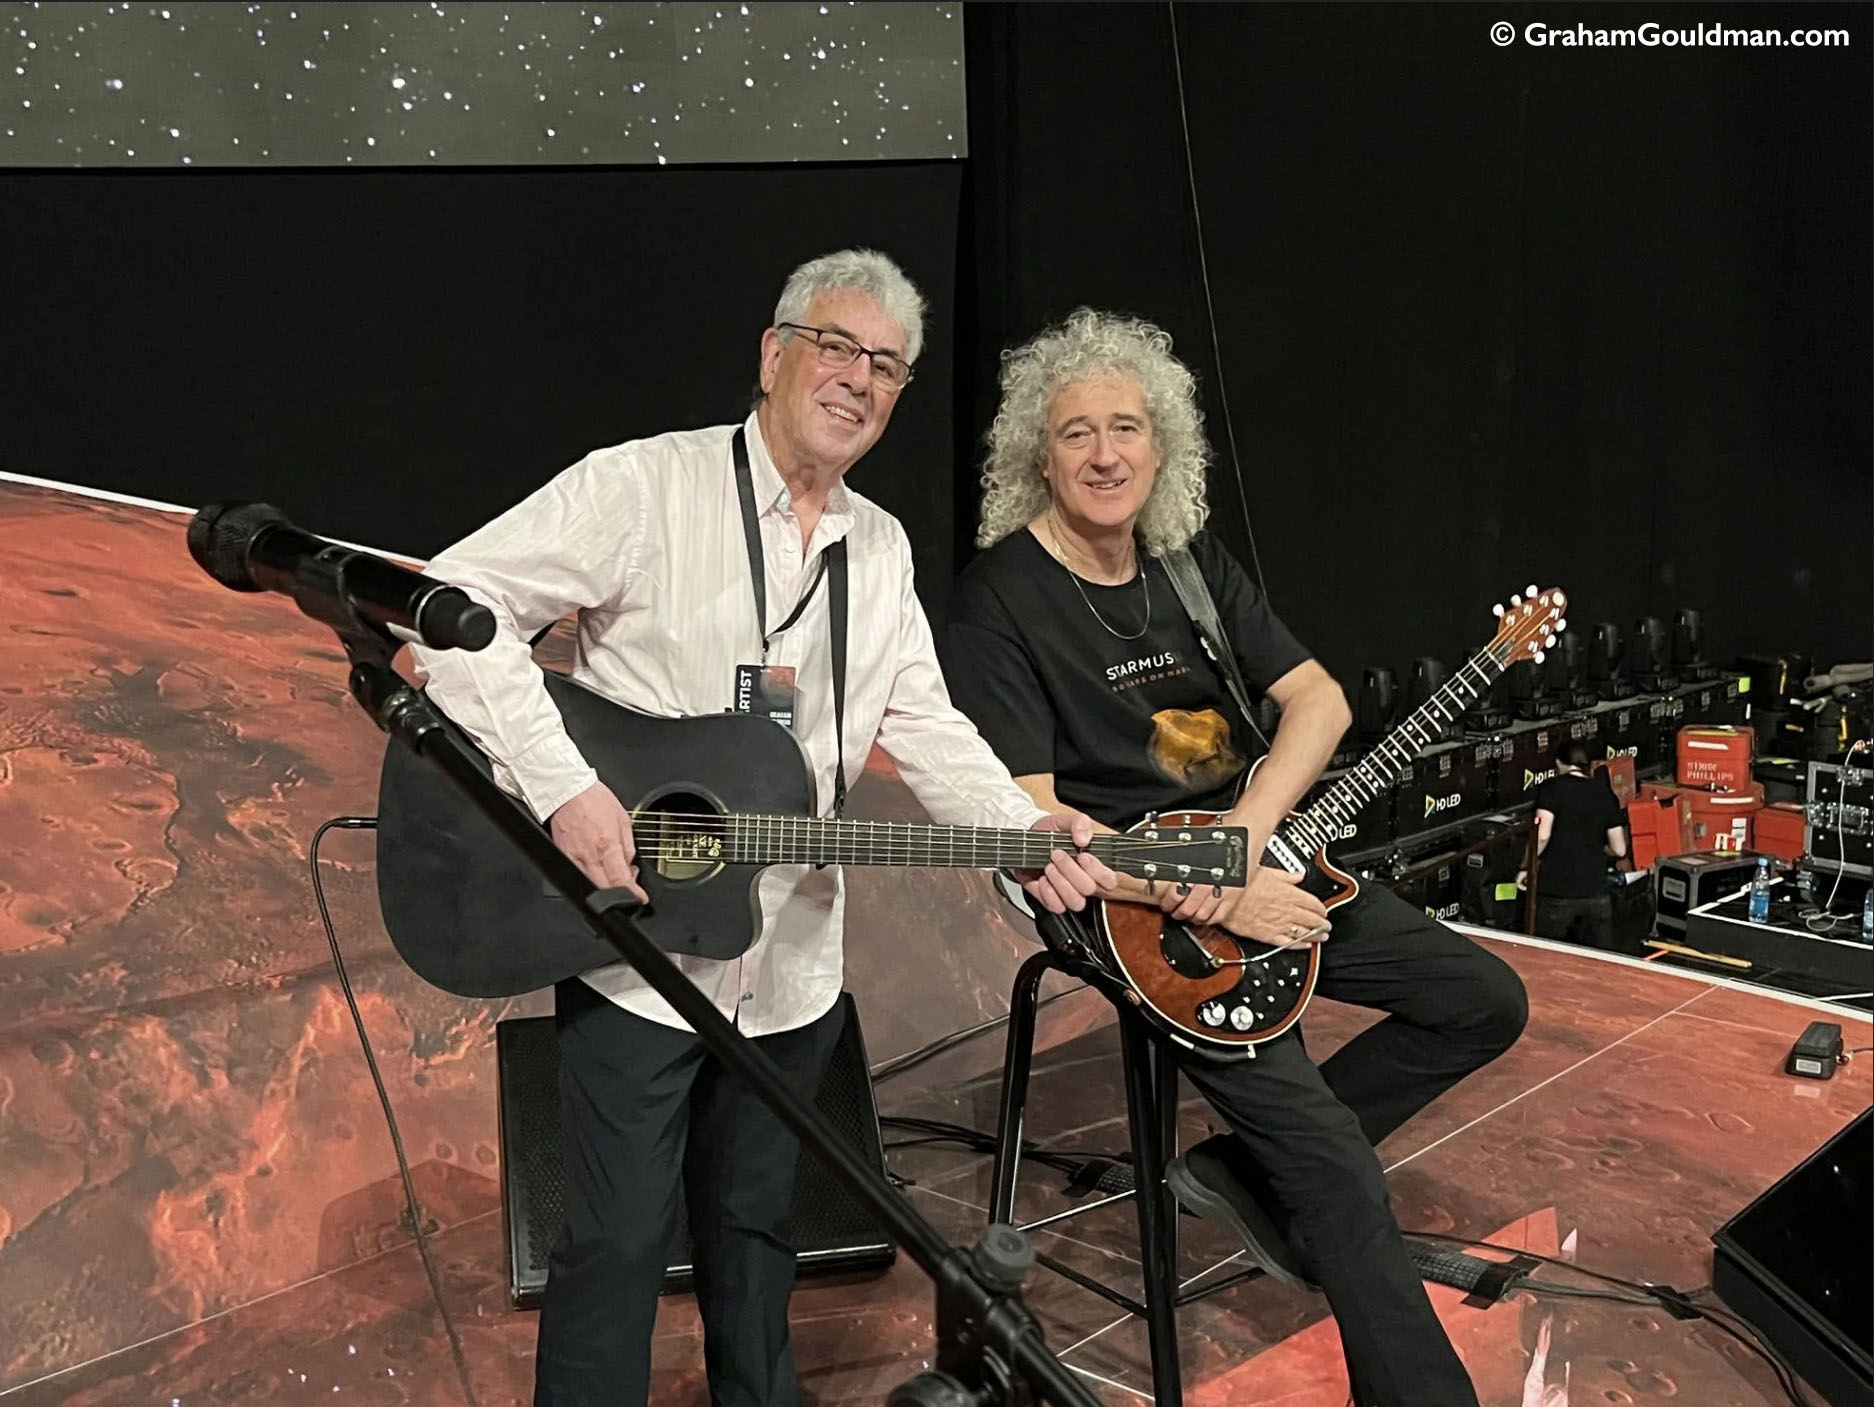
{"points": [[863, 351]]}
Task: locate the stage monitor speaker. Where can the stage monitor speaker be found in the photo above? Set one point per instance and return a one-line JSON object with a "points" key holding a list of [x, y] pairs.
{"points": [[828, 1230], [1795, 1264]]}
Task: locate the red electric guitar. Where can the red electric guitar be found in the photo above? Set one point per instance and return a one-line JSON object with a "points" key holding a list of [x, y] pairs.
{"points": [[1212, 990]]}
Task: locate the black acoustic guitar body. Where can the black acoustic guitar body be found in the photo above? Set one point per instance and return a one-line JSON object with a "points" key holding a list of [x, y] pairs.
{"points": [[468, 916]]}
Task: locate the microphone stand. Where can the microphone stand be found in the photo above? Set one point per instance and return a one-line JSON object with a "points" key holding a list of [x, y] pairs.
{"points": [[989, 1349]]}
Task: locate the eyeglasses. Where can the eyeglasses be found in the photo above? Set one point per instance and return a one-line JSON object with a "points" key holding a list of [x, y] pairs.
{"points": [[890, 372]]}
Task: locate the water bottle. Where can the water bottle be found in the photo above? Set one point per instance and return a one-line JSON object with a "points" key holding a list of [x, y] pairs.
{"points": [[1760, 893]]}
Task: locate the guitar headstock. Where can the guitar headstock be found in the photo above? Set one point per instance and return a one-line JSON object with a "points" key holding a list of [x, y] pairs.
{"points": [[1528, 625], [1182, 848]]}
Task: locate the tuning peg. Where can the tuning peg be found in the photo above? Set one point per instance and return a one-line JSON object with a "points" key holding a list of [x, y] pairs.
{"points": [[1531, 592], [1515, 601], [1497, 611], [1560, 626], [1539, 655]]}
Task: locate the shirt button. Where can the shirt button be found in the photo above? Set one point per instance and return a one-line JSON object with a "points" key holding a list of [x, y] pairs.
{"points": [[748, 996]]}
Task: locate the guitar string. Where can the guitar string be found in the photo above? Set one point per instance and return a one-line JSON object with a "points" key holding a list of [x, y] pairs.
{"points": [[1335, 808], [745, 828]]}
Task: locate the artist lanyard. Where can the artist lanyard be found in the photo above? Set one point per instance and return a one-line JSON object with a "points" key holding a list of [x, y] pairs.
{"points": [[833, 569]]}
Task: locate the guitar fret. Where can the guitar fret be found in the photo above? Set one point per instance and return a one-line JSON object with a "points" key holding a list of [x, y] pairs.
{"points": [[1336, 808], [769, 840]]}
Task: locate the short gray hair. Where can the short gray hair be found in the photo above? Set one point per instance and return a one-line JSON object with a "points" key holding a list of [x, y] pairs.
{"points": [[860, 271], [1095, 346]]}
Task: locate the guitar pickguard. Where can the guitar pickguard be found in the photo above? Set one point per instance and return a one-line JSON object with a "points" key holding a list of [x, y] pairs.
{"points": [[1209, 988]]}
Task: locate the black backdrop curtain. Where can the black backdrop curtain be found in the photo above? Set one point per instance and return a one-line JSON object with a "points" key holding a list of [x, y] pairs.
{"points": [[1596, 317], [392, 357]]}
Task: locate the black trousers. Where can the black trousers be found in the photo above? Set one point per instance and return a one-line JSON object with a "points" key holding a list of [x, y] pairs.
{"points": [[1588, 920], [1452, 1008], [642, 1105]]}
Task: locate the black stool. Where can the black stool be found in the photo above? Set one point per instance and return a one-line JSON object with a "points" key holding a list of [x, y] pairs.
{"points": [[1151, 1078]]}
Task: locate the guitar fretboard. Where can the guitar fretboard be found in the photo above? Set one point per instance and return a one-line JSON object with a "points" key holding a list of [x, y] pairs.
{"points": [[1336, 808], [803, 840]]}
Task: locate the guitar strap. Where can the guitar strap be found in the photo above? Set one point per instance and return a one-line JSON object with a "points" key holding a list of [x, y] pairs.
{"points": [[833, 569], [1194, 594]]}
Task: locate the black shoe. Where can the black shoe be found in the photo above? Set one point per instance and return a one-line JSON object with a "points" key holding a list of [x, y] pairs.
{"points": [[1216, 1180]]}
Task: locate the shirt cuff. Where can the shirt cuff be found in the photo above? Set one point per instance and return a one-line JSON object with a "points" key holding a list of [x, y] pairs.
{"points": [[549, 774]]}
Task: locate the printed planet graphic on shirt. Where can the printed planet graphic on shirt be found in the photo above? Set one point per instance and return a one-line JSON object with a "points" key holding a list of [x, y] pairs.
{"points": [[1190, 747], [1194, 748]]}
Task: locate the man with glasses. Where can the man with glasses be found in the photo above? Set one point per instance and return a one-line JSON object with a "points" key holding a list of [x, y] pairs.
{"points": [[655, 544]]}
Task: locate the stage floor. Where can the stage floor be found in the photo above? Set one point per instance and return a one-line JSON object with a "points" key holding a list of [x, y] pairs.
{"points": [[198, 1199], [1641, 1109]]}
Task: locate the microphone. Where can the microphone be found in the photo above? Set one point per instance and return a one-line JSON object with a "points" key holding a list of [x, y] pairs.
{"points": [[252, 547]]}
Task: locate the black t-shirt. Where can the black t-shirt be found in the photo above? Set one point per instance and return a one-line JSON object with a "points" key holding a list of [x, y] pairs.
{"points": [[1574, 864], [1125, 726]]}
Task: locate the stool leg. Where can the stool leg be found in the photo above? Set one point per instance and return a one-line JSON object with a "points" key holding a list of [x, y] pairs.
{"points": [[1023, 1000], [1156, 1210], [1165, 1096]]}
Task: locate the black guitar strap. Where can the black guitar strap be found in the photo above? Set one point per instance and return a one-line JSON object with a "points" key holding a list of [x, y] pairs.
{"points": [[836, 623], [1194, 594], [833, 570]]}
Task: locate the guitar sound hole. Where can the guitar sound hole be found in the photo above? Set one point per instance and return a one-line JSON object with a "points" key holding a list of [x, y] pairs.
{"points": [[682, 836]]}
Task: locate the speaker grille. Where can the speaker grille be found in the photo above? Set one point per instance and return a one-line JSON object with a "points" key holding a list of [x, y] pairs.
{"points": [[829, 1231]]}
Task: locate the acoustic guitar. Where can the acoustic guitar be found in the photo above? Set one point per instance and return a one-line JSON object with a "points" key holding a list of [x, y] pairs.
{"points": [[714, 801]]}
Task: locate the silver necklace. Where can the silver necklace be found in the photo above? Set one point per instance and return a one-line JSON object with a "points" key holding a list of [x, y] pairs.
{"points": [[1074, 576]]}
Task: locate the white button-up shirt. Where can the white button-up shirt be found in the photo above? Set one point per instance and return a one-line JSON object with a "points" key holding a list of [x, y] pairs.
{"points": [[645, 542]]}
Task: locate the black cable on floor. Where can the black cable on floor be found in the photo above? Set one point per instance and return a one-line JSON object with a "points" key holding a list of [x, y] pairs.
{"points": [[1681, 1304], [383, 1098], [898, 1064], [1083, 1170]]}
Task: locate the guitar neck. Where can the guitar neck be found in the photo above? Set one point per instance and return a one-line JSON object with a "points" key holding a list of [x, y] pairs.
{"points": [[1336, 808], [803, 840]]}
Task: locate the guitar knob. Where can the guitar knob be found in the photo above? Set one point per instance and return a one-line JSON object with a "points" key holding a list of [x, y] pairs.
{"points": [[1242, 1017], [1212, 1013]]}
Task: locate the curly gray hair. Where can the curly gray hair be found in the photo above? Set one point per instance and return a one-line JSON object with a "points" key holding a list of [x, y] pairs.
{"points": [[1096, 346], [863, 271]]}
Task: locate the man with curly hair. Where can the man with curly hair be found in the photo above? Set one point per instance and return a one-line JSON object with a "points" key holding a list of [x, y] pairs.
{"points": [[1069, 648]]}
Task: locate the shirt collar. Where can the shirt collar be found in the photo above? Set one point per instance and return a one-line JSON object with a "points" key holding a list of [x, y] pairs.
{"points": [[771, 494]]}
